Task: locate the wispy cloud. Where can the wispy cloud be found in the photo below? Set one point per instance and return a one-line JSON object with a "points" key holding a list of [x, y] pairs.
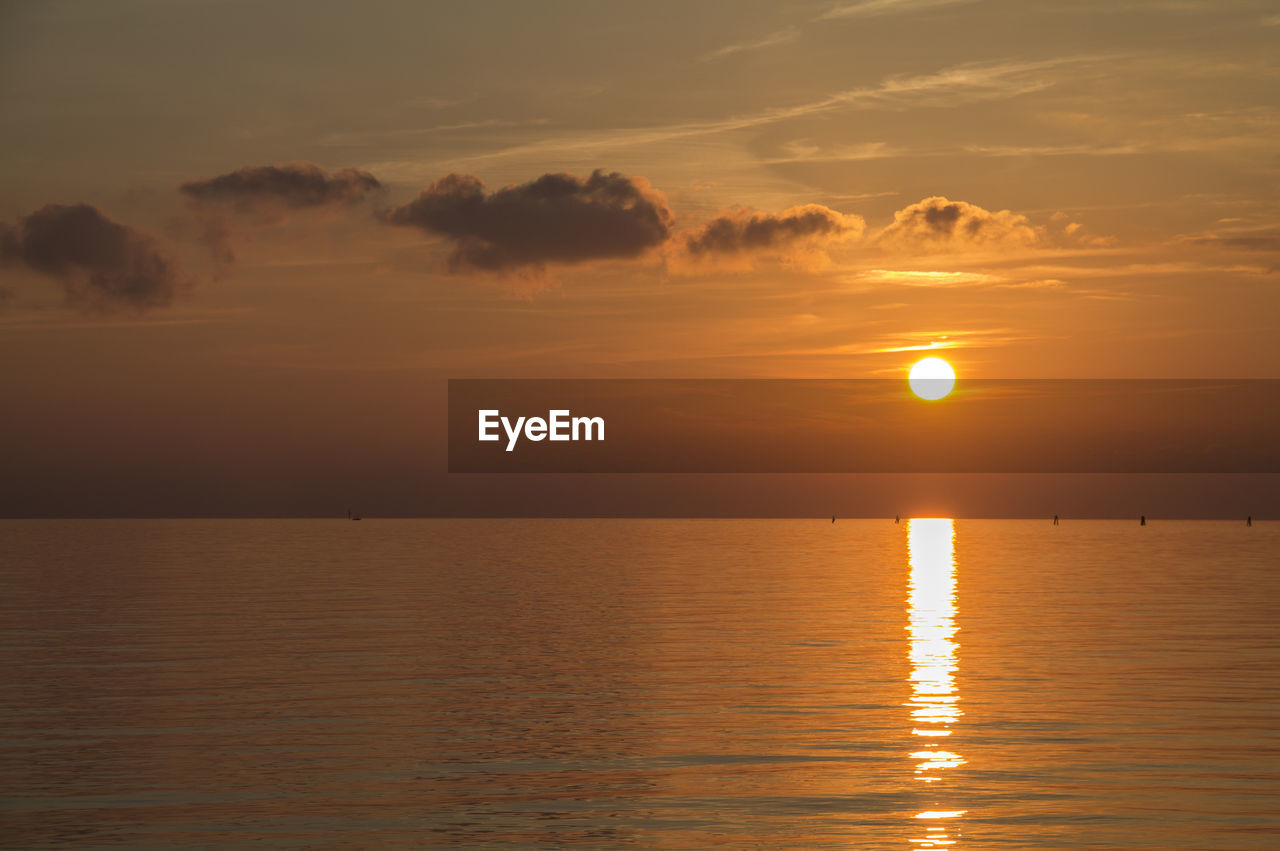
{"points": [[1144, 270], [874, 8], [785, 35], [919, 341], [802, 152], [928, 340], [1055, 285], [1053, 150], [1250, 240], [859, 196], [912, 278], [1018, 281], [932, 344], [952, 87], [1039, 284], [1152, 146]]}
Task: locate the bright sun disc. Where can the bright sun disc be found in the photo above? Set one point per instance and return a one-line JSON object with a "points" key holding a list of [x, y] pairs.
{"points": [[931, 378]]}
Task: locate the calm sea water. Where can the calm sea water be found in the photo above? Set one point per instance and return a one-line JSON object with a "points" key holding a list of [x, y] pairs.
{"points": [[656, 683]]}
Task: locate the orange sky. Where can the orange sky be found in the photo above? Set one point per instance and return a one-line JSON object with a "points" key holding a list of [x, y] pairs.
{"points": [[273, 270]]}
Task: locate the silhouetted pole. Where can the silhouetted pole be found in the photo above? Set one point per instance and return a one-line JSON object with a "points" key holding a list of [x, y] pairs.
{"points": [[1248, 521], [1142, 521], [1055, 520], [896, 518]]}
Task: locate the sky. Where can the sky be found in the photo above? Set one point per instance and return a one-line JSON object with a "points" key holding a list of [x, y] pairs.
{"points": [[243, 245]]}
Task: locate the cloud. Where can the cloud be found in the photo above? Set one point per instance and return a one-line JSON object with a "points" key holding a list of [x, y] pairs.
{"points": [[782, 36], [1111, 269], [1039, 284], [1126, 149], [949, 88], [914, 278], [738, 238], [1254, 241], [293, 185], [803, 152], [871, 8], [101, 264], [557, 218], [938, 224], [267, 194], [923, 341]]}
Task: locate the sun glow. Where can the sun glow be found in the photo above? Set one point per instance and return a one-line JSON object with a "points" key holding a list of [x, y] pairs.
{"points": [[931, 378]]}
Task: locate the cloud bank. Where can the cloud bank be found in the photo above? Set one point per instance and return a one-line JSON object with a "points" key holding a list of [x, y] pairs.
{"points": [[557, 218], [101, 264]]}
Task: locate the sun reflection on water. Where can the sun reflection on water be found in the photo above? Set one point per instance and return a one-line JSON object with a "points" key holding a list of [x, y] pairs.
{"points": [[934, 704]]}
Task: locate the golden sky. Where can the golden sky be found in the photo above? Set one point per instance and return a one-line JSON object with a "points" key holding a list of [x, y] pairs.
{"points": [[239, 238]]}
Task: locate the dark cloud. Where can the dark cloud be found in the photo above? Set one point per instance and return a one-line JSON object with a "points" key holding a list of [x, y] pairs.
{"points": [[557, 218], [266, 195], [293, 185], [101, 264], [938, 224], [745, 231], [736, 239]]}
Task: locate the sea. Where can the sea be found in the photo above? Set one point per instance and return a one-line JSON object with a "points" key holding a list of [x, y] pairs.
{"points": [[667, 684]]}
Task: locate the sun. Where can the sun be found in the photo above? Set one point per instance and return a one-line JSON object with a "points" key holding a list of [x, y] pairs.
{"points": [[931, 378]]}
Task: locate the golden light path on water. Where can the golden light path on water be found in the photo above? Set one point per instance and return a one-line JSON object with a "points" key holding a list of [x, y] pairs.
{"points": [[934, 704]]}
